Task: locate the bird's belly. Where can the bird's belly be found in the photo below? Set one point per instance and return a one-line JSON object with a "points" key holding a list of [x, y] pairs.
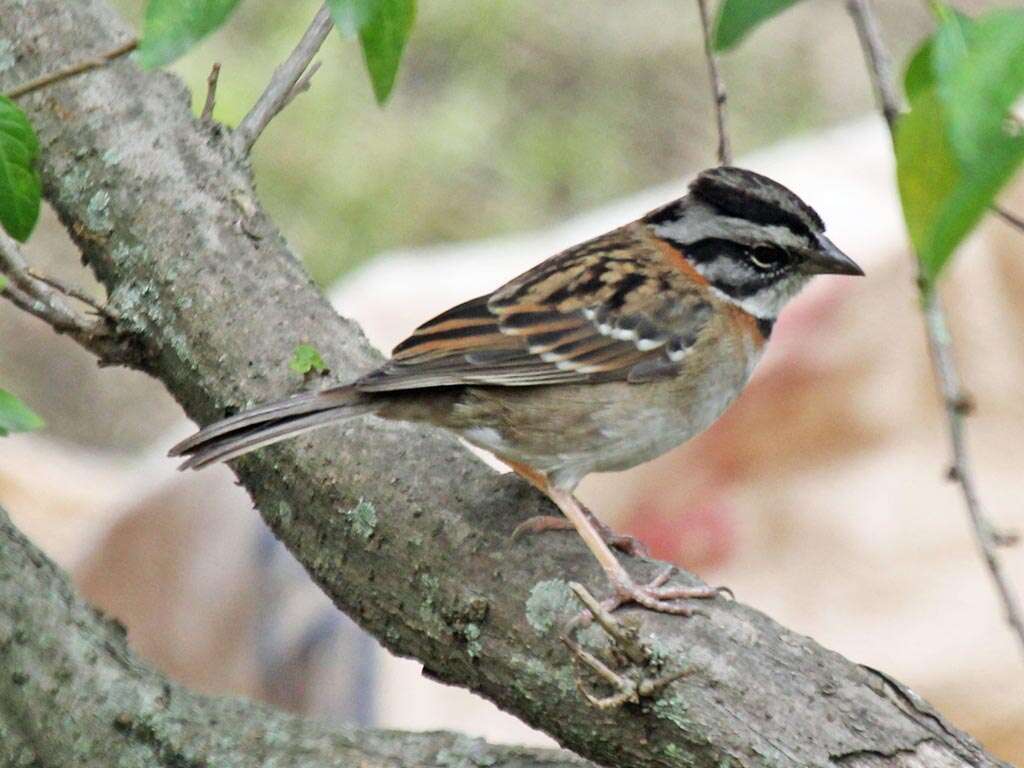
{"points": [[653, 429], [574, 430]]}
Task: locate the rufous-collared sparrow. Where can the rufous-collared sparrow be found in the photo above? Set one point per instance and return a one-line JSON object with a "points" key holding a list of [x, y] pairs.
{"points": [[602, 357]]}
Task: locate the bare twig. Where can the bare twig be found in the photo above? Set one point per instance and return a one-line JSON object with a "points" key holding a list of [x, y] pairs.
{"points": [[75, 69], [940, 343], [211, 93], [878, 60], [280, 89], [304, 82], [1009, 217], [44, 297], [717, 87], [36, 296]]}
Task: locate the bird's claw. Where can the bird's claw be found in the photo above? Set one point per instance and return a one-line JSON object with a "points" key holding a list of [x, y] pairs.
{"points": [[630, 684], [654, 596]]}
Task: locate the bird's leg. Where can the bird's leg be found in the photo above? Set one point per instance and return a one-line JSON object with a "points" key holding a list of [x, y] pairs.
{"points": [[629, 545], [653, 596], [624, 543]]}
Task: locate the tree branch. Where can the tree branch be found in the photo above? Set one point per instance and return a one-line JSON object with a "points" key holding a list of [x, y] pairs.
{"points": [[44, 298], [718, 94], [401, 527], [72, 694], [283, 83], [75, 69], [940, 341]]}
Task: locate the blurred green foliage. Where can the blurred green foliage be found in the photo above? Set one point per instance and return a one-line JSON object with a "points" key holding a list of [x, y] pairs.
{"points": [[20, 185], [383, 27], [171, 27], [508, 115], [738, 18], [15, 416], [958, 145]]}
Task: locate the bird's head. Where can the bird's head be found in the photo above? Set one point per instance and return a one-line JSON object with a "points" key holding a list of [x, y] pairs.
{"points": [[753, 239]]}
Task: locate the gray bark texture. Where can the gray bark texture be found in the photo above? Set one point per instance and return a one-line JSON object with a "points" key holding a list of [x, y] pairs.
{"points": [[405, 531], [71, 694]]}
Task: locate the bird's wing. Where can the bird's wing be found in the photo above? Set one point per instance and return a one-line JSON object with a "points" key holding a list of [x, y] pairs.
{"points": [[617, 308]]}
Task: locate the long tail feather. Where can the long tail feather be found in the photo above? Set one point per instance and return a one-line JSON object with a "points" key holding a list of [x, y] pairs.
{"points": [[270, 423]]}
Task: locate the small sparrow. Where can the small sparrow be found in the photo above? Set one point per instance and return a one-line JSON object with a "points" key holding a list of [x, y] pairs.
{"points": [[600, 358]]}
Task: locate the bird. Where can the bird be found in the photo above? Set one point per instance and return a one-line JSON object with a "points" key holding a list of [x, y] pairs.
{"points": [[598, 359]]}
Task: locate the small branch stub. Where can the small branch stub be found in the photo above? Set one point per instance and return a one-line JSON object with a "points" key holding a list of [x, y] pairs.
{"points": [[211, 93]]}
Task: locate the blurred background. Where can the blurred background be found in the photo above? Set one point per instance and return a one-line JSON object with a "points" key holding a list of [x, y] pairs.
{"points": [[517, 129]]}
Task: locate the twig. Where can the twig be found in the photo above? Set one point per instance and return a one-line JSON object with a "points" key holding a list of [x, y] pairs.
{"points": [[304, 82], [75, 69], [878, 60], [45, 298], [1009, 217], [717, 87], [279, 90], [211, 93], [36, 296], [940, 343], [72, 292]]}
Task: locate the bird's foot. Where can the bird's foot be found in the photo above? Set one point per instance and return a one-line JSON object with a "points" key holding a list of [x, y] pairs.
{"points": [[628, 545], [654, 596], [630, 669]]}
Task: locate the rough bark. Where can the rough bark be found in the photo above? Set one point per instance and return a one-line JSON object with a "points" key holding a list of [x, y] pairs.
{"points": [[72, 694], [402, 528]]}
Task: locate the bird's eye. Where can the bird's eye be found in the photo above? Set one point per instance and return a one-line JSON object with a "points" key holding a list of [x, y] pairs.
{"points": [[768, 257]]}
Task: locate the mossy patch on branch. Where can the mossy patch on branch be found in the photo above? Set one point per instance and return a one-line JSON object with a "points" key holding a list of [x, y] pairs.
{"points": [[551, 602], [363, 519]]}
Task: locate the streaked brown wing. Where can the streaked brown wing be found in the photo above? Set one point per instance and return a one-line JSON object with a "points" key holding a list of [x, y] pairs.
{"points": [[611, 309]]}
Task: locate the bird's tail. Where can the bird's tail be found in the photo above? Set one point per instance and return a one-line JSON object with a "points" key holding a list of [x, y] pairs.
{"points": [[269, 423]]}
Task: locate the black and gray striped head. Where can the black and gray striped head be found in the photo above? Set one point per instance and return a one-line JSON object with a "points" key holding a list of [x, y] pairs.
{"points": [[753, 239]]}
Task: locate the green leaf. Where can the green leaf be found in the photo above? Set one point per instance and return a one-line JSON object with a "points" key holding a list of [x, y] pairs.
{"points": [[383, 27], [737, 18], [919, 76], [171, 27], [979, 71], [21, 190], [306, 359], [3, 282], [956, 148], [15, 416]]}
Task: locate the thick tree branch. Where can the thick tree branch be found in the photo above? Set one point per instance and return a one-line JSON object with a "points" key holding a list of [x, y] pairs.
{"points": [[287, 81], [406, 531], [940, 341], [72, 694]]}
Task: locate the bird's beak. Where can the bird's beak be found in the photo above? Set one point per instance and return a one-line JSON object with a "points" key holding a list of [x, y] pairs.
{"points": [[829, 260]]}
